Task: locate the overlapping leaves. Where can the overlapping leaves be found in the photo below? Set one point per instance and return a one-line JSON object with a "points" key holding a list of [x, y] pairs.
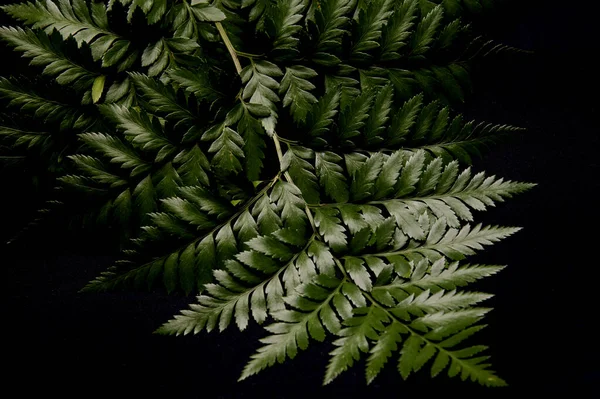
{"points": [[372, 280], [322, 192]]}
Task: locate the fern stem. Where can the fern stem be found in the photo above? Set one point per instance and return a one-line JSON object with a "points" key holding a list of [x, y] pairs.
{"points": [[288, 141], [341, 267], [230, 48], [289, 179], [238, 68], [248, 55], [458, 195]]}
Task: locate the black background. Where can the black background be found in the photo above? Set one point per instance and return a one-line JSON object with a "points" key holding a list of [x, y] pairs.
{"points": [[542, 332]]}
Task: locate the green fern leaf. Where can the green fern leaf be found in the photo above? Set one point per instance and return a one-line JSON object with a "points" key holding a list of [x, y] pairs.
{"points": [[369, 27], [323, 115], [142, 131], [295, 327], [297, 88], [365, 325], [261, 88], [192, 167], [23, 138], [43, 108], [426, 31], [444, 278], [206, 13], [117, 151], [227, 148], [331, 20], [43, 52], [85, 24], [377, 121], [331, 176], [298, 161], [161, 99], [253, 135], [196, 82], [386, 345], [354, 117], [97, 170], [286, 16], [363, 181], [398, 30]]}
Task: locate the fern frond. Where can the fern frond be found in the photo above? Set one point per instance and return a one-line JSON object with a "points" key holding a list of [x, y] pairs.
{"points": [[166, 52], [205, 226], [445, 192], [25, 138], [331, 21], [86, 24], [299, 162], [398, 30], [162, 99], [43, 52], [369, 28], [197, 82], [117, 151], [286, 16], [313, 312], [435, 277], [380, 332], [192, 167], [426, 327], [429, 127], [353, 118], [261, 88], [378, 119], [258, 11], [94, 168], [323, 116], [297, 87], [295, 163], [453, 243], [188, 267], [267, 256], [142, 131], [426, 31], [43, 108], [227, 149], [449, 83], [446, 301], [331, 176], [365, 324]]}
